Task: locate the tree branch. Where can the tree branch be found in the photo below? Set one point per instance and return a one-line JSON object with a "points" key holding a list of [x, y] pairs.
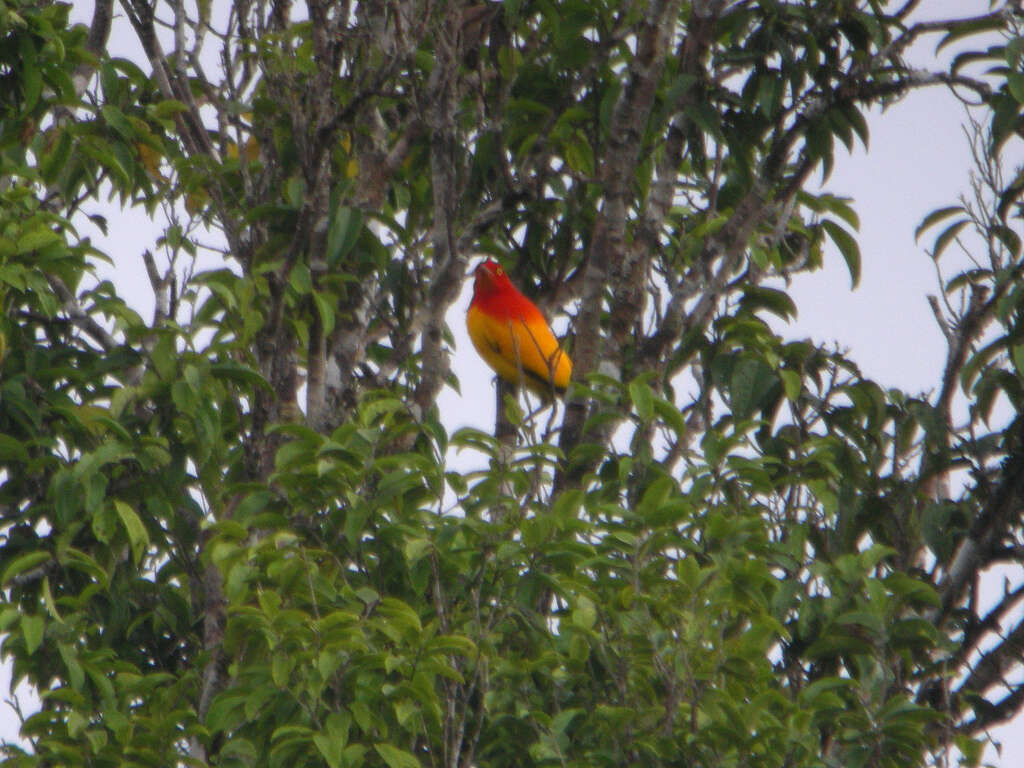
{"points": [[607, 248], [449, 266], [79, 317], [96, 43], [1002, 505]]}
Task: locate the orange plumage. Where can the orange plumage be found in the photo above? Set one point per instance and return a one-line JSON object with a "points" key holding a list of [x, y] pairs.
{"points": [[512, 336]]}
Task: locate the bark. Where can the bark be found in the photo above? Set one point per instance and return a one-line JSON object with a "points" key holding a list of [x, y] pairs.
{"points": [[607, 250]]}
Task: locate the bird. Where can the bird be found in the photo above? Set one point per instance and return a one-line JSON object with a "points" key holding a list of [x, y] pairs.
{"points": [[512, 336]]}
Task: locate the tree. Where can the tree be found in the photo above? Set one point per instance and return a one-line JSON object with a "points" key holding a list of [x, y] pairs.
{"points": [[232, 532]]}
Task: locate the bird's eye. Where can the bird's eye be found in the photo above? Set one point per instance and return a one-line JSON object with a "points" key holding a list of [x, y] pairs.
{"points": [[499, 272]]}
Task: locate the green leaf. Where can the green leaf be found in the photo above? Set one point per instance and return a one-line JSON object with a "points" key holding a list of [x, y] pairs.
{"points": [[295, 191], [22, 563], [226, 710], [705, 117], [368, 595], [642, 398], [76, 724], [325, 310], [301, 279], [584, 613], [847, 246], [935, 217], [106, 155], [1015, 82], [971, 750], [416, 549], [1017, 356], [32, 630], [769, 93], [452, 644], [165, 357], [238, 749], [777, 302], [104, 523], [400, 613], [240, 374], [1006, 113], [115, 119], [579, 156], [669, 413], [355, 754], [74, 558], [169, 108], [406, 712], [281, 667], [1011, 53], [947, 236], [395, 757], [333, 739], [12, 449], [346, 224], [561, 721], [49, 602], [958, 30], [36, 239], [856, 119], [655, 496], [811, 696], [330, 749], [751, 377], [31, 75], [1010, 239], [137, 535], [567, 505], [791, 383]]}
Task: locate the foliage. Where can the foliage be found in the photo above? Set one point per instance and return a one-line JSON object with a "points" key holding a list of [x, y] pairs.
{"points": [[234, 533]]}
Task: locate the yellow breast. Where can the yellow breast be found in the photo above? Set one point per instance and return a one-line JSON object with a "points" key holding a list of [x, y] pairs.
{"points": [[522, 352]]}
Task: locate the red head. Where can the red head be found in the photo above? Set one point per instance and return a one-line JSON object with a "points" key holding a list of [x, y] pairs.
{"points": [[491, 279]]}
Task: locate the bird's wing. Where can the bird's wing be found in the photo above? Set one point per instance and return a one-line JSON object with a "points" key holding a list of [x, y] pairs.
{"points": [[540, 355]]}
